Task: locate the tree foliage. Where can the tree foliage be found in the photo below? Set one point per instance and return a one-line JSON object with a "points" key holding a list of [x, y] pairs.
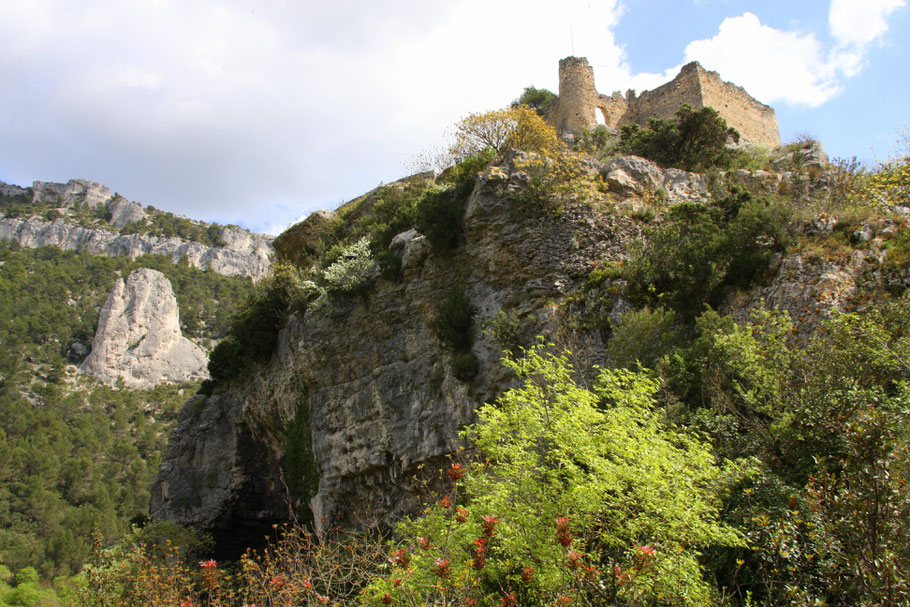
{"points": [[539, 100], [515, 128], [570, 501], [694, 140]]}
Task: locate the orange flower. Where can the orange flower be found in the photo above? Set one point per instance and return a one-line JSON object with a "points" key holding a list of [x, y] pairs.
{"points": [[455, 472], [527, 574]]}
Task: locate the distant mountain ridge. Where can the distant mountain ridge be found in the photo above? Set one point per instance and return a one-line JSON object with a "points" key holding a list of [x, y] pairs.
{"points": [[83, 215]]}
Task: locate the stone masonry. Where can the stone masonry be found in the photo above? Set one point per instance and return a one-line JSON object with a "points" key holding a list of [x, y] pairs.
{"points": [[579, 102]]}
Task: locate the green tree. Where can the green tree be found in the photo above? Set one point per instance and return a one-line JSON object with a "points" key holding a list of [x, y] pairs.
{"points": [[578, 493], [539, 100], [694, 140]]}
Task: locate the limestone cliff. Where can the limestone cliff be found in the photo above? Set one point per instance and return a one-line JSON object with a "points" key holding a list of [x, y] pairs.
{"points": [[138, 340], [381, 403], [238, 252]]}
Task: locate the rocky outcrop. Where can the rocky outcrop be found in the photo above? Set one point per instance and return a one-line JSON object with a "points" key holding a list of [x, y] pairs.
{"points": [[123, 211], [381, 398], [7, 189], [138, 341], [377, 391], [73, 191], [244, 254], [635, 176]]}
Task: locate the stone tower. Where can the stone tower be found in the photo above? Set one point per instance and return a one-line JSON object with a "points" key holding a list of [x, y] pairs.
{"points": [[577, 96]]}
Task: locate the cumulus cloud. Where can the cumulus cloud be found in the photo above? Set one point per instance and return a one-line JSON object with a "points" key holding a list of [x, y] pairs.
{"points": [[795, 66], [231, 110], [860, 23], [773, 65]]}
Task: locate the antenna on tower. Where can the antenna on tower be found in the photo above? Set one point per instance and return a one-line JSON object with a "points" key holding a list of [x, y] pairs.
{"points": [[572, 39]]}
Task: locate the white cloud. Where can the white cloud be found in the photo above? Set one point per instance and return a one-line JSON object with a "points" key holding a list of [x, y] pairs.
{"points": [[857, 24], [794, 66], [227, 109], [771, 64]]}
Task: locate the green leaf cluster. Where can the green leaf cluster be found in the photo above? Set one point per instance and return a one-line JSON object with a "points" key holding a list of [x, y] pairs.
{"points": [[602, 460], [693, 141], [688, 260]]}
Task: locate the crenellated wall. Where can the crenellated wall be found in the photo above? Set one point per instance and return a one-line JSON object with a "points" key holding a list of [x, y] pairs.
{"points": [[579, 102]]}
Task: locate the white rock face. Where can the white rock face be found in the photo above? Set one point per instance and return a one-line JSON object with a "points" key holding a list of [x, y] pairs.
{"points": [[138, 338], [245, 254], [124, 211], [91, 193]]}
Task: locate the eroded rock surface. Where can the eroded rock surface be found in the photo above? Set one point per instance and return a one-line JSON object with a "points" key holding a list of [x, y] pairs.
{"points": [[244, 254], [378, 392], [138, 340]]}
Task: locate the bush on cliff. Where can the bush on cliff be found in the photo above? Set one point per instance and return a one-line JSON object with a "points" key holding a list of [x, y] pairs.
{"points": [[569, 503], [516, 128], [694, 141]]}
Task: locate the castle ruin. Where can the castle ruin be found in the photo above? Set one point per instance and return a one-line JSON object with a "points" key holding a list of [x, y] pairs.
{"points": [[579, 102]]}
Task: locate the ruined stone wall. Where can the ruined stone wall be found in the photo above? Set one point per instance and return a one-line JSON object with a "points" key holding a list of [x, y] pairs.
{"points": [[665, 100], [579, 102], [755, 121]]}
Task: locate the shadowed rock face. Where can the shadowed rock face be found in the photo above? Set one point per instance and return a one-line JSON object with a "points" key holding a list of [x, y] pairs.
{"points": [[138, 340], [381, 401]]}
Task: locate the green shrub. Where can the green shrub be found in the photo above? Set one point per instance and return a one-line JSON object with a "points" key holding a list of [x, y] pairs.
{"points": [[539, 100], [351, 270], [465, 365], [694, 140], [454, 321], [642, 338], [687, 261], [571, 498], [440, 217], [507, 328]]}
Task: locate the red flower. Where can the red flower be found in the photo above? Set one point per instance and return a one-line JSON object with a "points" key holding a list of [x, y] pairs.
{"points": [[527, 574], [572, 560], [462, 516], [442, 568], [643, 559], [210, 564], [455, 472], [489, 524], [445, 502], [424, 542], [307, 584], [562, 600], [400, 559], [396, 582], [563, 533], [387, 599], [480, 554], [509, 600], [277, 582]]}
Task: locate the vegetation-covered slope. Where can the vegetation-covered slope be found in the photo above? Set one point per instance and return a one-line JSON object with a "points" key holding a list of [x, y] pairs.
{"points": [[74, 455]]}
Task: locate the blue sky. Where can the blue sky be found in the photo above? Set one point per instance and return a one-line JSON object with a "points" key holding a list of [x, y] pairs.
{"points": [[258, 112]]}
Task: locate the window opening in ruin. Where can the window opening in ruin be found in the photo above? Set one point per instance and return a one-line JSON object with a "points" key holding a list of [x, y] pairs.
{"points": [[599, 116]]}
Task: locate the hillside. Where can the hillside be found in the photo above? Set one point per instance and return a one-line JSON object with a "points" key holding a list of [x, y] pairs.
{"points": [[649, 369], [76, 455], [761, 293]]}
